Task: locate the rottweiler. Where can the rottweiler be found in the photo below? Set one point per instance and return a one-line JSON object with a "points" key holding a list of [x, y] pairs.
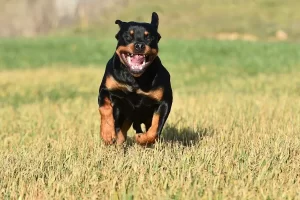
{"points": [[136, 87]]}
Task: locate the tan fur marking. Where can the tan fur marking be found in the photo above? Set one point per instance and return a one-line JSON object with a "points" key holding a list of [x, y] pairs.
{"points": [[154, 94], [122, 134], [112, 84], [152, 52], [151, 135], [131, 32], [125, 49], [146, 33], [107, 125]]}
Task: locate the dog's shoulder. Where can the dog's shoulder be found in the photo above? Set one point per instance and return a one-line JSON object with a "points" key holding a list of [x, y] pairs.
{"points": [[162, 74]]}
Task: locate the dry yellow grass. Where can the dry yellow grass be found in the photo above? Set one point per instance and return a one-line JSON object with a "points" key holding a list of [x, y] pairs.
{"points": [[238, 138]]}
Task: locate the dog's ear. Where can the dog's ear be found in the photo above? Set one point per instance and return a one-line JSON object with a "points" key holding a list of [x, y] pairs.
{"points": [[158, 37], [155, 20], [119, 22]]}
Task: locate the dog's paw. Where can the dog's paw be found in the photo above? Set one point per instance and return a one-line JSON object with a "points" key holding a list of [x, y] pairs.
{"points": [[145, 138], [120, 139], [109, 137]]}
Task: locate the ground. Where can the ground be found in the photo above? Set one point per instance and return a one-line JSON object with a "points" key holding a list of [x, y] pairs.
{"points": [[233, 132]]}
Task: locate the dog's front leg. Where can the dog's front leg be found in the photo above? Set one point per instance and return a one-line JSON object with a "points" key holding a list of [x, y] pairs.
{"points": [[107, 125], [158, 120]]}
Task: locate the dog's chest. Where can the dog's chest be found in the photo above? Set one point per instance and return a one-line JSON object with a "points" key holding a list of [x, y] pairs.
{"points": [[134, 94], [136, 97]]}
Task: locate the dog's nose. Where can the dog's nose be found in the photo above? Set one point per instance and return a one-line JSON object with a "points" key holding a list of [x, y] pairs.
{"points": [[139, 46]]}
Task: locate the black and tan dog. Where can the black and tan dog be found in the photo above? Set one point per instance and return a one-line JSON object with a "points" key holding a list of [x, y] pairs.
{"points": [[136, 87]]}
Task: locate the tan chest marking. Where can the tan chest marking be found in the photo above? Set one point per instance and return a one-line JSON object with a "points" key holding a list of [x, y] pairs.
{"points": [[112, 84], [154, 94]]}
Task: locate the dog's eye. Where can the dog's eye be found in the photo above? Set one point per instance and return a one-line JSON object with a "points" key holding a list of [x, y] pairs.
{"points": [[149, 38], [128, 37]]}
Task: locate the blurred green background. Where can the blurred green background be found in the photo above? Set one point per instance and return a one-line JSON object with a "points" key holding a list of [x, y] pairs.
{"points": [[39, 33], [189, 19], [204, 43]]}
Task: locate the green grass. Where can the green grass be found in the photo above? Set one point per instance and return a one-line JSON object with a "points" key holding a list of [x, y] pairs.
{"points": [[233, 132], [81, 51]]}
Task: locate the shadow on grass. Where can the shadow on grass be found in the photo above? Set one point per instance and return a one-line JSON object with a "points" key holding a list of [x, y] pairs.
{"points": [[185, 136]]}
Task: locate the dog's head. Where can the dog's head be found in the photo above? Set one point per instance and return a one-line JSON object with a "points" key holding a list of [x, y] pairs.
{"points": [[138, 44]]}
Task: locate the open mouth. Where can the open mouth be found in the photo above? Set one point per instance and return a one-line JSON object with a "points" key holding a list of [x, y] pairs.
{"points": [[136, 63]]}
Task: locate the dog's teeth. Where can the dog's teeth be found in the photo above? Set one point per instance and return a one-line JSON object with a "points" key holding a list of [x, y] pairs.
{"points": [[131, 55], [144, 62], [129, 60]]}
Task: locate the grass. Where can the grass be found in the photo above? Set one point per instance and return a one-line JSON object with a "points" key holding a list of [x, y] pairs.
{"points": [[252, 57], [233, 132]]}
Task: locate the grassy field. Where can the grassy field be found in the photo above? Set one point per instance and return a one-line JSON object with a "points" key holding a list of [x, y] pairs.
{"points": [[233, 132]]}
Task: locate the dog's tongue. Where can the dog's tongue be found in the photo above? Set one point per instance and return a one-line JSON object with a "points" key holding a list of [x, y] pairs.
{"points": [[137, 59]]}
